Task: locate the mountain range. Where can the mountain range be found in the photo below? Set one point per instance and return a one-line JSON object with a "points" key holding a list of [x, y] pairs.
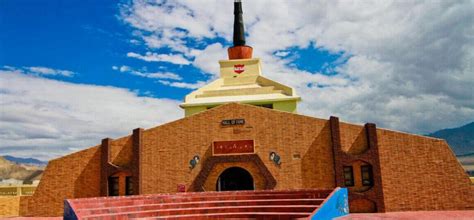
{"points": [[460, 139], [29, 161], [16, 172]]}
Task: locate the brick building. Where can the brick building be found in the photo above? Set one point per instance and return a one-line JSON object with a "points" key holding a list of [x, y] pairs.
{"points": [[227, 142]]}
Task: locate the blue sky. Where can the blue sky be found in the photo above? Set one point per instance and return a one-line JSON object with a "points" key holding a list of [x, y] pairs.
{"points": [[89, 39], [65, 64]]}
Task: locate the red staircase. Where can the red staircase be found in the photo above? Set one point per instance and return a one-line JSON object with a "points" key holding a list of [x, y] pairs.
{"points": [[265, 204]]}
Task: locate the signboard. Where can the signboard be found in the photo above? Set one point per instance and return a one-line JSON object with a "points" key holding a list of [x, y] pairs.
{"points": [[233, 122], [233, 147], [239, 68]]}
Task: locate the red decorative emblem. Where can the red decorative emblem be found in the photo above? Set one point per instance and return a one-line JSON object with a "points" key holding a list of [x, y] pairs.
{"points": [[239, 68]]}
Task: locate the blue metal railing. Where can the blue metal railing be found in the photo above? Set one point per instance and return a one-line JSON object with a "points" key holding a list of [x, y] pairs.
{"points": [[335, 205]]}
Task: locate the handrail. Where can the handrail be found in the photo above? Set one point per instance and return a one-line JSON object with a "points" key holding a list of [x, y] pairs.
{"points": [[335, 205]]}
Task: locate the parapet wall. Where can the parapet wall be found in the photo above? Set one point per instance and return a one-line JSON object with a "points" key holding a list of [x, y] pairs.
{"points": [[421, 173]]}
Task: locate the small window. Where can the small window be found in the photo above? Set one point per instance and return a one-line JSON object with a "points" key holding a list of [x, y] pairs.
{"points": [[348, 176], [366, 173], [113, 186], [128, 185]]}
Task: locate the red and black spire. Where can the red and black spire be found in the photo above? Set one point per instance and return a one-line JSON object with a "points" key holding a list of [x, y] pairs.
{"points": [[239, 50], [239, 32]]}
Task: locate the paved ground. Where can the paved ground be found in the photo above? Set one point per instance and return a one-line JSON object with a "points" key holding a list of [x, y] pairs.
{"points": [[421, 215], [33, 218]]}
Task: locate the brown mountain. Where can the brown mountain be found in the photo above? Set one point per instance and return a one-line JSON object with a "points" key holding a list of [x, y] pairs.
{"points": [[10, 170]]}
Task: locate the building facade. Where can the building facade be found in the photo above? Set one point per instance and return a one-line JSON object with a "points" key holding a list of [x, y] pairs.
{"points": [[384, 170], [242, 133]]}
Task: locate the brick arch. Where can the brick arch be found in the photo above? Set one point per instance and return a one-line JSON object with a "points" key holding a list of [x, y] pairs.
{"points": [[211, 162], [211, 181]]}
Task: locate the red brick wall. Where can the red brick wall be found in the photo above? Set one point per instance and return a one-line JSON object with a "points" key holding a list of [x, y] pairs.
{"points": [[72, 176], [121, 152], [353, 138], [421, 173], [167, 149], [418, 173]]}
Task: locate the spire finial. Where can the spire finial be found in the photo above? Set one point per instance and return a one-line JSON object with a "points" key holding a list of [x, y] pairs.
{"points": [[239, 31], [239, 50]]}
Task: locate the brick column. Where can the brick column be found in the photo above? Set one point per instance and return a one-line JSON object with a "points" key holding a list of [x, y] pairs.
{"points": [[136, 162], [373, 158], [104, 165], [370, 156], [336, 148]]}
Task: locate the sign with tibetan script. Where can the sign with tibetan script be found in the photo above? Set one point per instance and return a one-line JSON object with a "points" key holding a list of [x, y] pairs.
{"points": [[239, 68], [233, 147], [233, 122]]}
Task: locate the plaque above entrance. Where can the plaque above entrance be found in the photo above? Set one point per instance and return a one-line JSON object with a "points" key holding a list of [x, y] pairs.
{"points": [[233, 147]]}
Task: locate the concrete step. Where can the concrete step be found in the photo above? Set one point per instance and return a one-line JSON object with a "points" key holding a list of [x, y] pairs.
{"points": [[264, 204], [124, 201], [240, 216], [206, 210], [323, 192], [280, 202]]}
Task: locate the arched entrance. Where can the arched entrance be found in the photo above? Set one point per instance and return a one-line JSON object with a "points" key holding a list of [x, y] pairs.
{"points": [[234, 178]]}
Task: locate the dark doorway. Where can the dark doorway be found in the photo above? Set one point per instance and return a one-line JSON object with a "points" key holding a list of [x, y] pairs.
{"points": [[234, 178]]}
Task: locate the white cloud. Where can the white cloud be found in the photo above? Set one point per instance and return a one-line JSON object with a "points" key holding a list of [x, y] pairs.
{"points": [[154, 57], [185, 85], [282, 53], [40, 70], [207, 59], [124, 69], [49, 71], [156, 75], [46, 118], [409, 64]]}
